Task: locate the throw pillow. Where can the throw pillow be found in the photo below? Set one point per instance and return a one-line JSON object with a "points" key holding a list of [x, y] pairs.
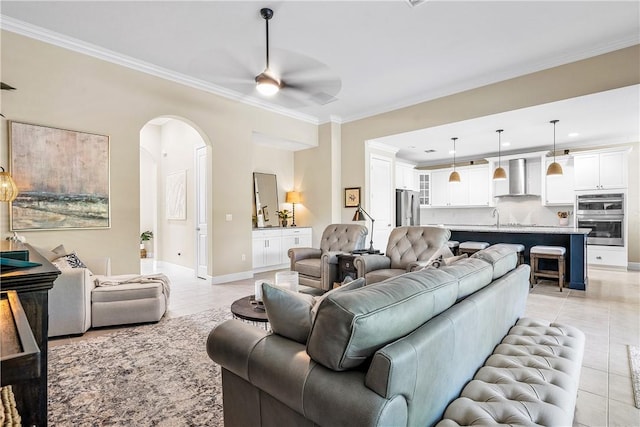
{"points": [[451, 260], [68, 262], [289, 312]]}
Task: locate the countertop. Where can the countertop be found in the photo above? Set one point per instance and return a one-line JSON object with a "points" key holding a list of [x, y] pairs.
{"points": [[516, 228]]}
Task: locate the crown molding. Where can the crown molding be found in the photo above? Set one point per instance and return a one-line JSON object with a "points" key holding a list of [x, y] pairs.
{"points": [[79, 46]]}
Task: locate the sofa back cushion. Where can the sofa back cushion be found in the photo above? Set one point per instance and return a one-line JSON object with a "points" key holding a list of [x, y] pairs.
{"points": [[502, 257], [410, 244], [472, 274], [350, 326]]}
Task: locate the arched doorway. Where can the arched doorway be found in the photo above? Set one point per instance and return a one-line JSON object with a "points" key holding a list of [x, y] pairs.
{"points": [[173, 196]]}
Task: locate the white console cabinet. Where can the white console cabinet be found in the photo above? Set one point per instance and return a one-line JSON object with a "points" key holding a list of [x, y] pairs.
{"points": [[270, 246]]}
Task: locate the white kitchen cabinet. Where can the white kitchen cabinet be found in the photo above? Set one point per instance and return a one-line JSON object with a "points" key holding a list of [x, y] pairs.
{"points": [[424, 181], [270, 246], [601, 170], [406, 176], [472, 190], [559, 189], [478, 179], [610, 256]]}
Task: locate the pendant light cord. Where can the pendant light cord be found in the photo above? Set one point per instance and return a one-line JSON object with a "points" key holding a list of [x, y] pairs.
{"points": [[499, 145], [454, 154], [554, 138]]}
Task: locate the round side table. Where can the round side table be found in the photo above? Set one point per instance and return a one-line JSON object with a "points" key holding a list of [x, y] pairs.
{"points": [[249, 310]]}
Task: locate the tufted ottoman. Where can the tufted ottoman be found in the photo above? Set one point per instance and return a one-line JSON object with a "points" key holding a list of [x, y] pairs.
{"points": [[532, 377]]}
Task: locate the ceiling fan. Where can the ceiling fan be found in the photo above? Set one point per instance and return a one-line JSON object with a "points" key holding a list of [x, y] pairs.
{"points": [[300, 87], [289, 79]]}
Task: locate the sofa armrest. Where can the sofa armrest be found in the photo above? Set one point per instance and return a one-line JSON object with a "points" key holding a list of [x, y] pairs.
{"points": [[331, 257], [297, 254], [281, 368], [366, 263], [98, 265], [70, 303]]}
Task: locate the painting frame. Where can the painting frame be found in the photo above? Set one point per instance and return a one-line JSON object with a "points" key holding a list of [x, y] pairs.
{"points": [[176, 195], [352, 197], [63, 178]]}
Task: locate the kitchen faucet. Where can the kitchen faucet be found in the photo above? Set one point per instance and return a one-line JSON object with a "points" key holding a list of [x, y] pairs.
{"points": [[496, 214]]}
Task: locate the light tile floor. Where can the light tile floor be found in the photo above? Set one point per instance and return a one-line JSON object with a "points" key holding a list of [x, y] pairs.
{"points": [[608, 313]]}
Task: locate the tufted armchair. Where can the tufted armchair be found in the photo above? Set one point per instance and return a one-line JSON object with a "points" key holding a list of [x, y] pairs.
{"points": [[318, 268], [409, 249]]}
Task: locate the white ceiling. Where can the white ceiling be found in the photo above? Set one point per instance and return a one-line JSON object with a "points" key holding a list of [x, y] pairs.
{"points": [[374, 56]]}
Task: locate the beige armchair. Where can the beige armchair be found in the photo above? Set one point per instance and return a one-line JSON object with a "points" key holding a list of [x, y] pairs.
{"points": [[409, 249], [318, 268]]}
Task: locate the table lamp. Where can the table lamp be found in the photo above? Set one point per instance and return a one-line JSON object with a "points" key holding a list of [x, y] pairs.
{"points": [[358, 217], [293, 197]]}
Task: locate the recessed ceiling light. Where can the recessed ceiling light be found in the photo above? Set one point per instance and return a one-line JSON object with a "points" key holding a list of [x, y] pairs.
{"points": [[506, 144], [452, 151], [430, 151], [573, 134], [412, 146]]}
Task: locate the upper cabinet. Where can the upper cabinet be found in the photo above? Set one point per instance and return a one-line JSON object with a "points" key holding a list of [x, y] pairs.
{"points": [[406, 176], [424, 181], [558, 189], [601, 170], [472, 190]]}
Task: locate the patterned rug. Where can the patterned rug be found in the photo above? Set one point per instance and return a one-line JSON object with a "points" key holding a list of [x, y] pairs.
{"points": [[634, 364], [149, 375]]}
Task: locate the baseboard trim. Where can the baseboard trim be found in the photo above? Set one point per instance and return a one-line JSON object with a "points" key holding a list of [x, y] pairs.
{"points": [[635, 266], [225, 278]]}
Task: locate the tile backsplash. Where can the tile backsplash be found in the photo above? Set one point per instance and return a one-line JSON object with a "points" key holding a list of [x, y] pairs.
{"points": [[512, 211]]}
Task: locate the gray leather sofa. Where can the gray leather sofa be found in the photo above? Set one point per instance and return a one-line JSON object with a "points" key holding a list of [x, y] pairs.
{"points": [[394, 353]]}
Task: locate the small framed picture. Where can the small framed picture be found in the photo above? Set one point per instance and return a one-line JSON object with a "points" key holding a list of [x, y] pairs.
{"points": [[351, 197]]}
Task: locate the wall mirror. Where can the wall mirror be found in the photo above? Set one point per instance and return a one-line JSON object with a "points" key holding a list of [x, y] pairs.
{"points": [[265, 201]]}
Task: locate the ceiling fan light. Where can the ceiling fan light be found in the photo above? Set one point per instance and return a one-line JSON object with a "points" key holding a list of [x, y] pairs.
{"points": [[267, 85], [499, 174], [554, 169], [454, 177]]}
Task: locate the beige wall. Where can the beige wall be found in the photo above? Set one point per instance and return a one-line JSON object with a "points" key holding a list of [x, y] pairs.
{"points": [[613, 70], [60, 88]]}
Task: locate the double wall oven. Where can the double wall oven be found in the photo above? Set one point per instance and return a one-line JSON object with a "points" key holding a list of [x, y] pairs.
{"points": [[604, 215]]}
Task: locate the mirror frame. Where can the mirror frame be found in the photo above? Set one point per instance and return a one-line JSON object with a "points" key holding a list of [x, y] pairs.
{"points": [[265, 200]]}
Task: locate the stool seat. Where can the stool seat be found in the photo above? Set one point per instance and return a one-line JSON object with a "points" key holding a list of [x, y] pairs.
{"points": [[514, 246], [548, 250], [474, 245], [453, 244], [555, 253]]}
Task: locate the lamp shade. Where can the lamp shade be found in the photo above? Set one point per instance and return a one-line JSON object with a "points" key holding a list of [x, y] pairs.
{"points": [[358, 216], [499, 174], [454, 177], [292, 197], [554, 169], [8, 188]]}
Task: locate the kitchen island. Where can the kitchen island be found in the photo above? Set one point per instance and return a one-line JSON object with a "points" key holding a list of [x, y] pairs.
{"points": [[574, 240]]}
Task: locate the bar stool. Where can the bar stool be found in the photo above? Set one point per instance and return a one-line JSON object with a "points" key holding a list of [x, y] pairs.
{"points": [[472, 247], [518, 248], [453, 246], [547, 252]]}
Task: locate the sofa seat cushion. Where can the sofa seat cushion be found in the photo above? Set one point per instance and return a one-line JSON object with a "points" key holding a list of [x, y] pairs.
{"points": [[503, 258], [350, 326], [127, 292], [472, 274], [309, 267]]}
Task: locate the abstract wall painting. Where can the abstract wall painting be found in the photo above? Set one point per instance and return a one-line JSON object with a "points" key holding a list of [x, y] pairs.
{"points": [[62, 178], [176, 195]]}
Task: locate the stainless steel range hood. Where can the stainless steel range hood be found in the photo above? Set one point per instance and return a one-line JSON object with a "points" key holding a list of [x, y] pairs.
{"points": [[518, 180]]}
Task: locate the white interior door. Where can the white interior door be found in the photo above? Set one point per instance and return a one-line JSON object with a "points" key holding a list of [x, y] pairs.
{"points": [[381, 202], [201, 213]]}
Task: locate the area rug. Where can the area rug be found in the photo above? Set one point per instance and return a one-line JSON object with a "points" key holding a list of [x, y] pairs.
{"points": [[634, 364], [148, 375]]}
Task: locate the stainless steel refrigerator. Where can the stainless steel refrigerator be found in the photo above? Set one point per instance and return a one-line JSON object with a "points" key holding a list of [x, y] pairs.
{"points": [[407, 207]]}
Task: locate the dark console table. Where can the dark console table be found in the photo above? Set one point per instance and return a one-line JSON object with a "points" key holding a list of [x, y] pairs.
{"points": [[32, 287]]}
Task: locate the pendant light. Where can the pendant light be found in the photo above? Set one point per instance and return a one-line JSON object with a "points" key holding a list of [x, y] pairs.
{"points": [[554, 168], [499, 174], [455, 176], [8, 188]]}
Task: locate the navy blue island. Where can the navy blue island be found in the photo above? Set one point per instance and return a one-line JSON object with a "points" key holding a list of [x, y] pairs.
{"points": [[571, 238]]}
